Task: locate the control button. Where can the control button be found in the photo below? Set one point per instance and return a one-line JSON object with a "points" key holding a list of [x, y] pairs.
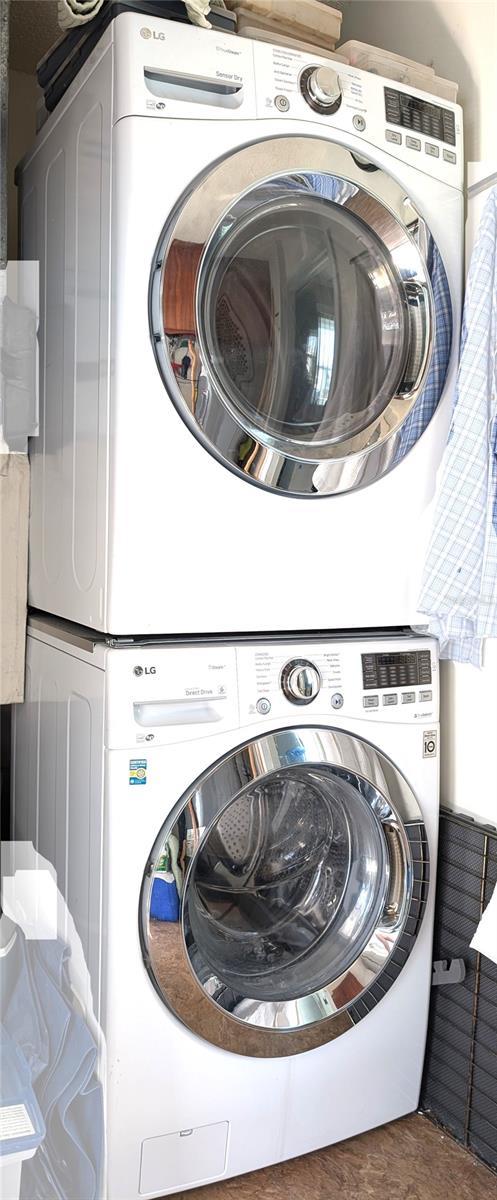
{"points": [[449, 156], [263, 706], [392, 105], [449, 125], [392, 136], [370, 701], [425, 697], [300, 681], [337, 700], [434, 151], [408, 697], [321, 88], [391, 698], [359, 123], [282, 103], [413, 143]]}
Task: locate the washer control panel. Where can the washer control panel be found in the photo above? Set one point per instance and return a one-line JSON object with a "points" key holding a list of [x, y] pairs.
{"points": [[397, 678], [391, 679], [396, 669], [160, 694]]}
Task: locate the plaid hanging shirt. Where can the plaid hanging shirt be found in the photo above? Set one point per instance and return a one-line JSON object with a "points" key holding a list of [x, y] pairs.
{"points": [[459, 590]]}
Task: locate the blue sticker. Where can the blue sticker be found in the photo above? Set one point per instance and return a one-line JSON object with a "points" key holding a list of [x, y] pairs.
{"points": [[137, 771]]}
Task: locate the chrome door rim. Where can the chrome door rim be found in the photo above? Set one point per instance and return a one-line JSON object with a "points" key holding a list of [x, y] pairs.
{"points": [[237, 443], [319, 1018]]}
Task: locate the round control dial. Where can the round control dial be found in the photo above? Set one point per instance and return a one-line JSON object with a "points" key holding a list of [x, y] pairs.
{"points": [[322, 89], [300, 681]]}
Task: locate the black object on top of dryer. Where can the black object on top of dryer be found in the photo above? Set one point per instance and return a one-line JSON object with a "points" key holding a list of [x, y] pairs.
{"points": [[57, 69]]}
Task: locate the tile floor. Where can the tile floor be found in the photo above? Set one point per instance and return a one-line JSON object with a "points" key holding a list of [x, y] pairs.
{"points": [[410, 1159]]}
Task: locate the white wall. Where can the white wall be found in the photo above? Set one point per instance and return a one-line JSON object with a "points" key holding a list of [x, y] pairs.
{"points": [[469, 737], [23, 96], [457, 37]]}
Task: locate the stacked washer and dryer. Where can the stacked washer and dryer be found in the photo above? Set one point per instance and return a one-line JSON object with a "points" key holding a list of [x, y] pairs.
{"points": [[251, 286]]}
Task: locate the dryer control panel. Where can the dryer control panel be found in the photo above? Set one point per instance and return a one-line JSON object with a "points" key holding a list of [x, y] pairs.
{"points": [[167, 70]]}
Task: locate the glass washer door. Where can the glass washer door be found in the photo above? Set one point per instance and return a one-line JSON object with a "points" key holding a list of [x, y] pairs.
{"points": [[280, 889], [292, 317]]}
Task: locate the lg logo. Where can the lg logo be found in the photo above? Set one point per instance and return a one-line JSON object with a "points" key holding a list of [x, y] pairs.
{"points": [[144, 670], [148, 33]]}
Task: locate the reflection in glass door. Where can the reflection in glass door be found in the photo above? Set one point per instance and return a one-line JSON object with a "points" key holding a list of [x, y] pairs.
{"points": [[317, 313], [287, 886], [276, 902]]}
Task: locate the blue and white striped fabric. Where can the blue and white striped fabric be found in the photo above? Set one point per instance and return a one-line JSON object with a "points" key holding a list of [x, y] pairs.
{"points": [[426, 404], [339, 190], [459, 591]]}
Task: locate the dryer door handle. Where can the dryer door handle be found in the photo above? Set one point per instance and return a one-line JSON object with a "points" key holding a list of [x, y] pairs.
{"points": [[194, 711]]}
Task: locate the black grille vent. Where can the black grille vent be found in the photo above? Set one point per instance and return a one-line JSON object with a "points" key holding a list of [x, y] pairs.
{"points": [[460, 1077]]}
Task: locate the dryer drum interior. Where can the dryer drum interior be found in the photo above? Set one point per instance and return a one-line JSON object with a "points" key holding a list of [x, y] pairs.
{"points": [[301, 317], [296, 866]]}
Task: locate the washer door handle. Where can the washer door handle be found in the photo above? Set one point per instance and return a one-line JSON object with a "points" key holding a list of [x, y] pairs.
{"points": [[398, 888]]}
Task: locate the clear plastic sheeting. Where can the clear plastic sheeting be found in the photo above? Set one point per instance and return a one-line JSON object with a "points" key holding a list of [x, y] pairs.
{"points": [[47, 1012]]}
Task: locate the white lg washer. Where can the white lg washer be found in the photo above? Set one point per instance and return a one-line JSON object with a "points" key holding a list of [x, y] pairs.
{"points": [[244, 833], [250, 291]]}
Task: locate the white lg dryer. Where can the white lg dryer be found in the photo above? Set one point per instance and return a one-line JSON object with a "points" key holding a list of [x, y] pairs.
{"points": [[250, 295], [245, 834]]}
